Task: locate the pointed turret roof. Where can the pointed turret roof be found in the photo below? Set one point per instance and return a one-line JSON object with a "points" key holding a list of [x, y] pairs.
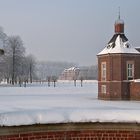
{"points": [[119, 42]]}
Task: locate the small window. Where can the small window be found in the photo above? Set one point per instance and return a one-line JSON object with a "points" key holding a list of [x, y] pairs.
{"points": [[130, 70], [103, 89], [103, 71]]}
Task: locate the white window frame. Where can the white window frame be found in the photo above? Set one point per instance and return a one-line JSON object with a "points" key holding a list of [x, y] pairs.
{"points": [[130, 70], [103, 71], [103, 89]]}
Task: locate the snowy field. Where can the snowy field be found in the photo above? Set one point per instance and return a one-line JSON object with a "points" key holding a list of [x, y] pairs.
{"points": [[40, 104]]}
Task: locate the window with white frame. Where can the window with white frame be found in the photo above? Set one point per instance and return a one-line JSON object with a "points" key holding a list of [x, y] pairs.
{"points": [[103, 89], [103, 71], [130, 70]]}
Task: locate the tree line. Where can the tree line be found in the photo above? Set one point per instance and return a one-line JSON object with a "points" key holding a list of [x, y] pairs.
{"points": [[15, 65]]}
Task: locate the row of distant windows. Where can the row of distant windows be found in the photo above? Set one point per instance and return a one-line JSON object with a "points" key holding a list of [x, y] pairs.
{"points": [[130, 70]]}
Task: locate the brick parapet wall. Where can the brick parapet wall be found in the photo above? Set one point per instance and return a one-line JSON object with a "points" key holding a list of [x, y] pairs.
{"points": [[73, 131]]}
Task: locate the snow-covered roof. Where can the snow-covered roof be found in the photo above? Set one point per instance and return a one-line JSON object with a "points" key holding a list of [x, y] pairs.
{"points": [[119, 44], [72, 68], [137, 48]]}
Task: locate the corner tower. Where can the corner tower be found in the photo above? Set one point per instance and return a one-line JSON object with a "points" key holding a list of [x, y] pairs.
{"points": [[118, 63]]}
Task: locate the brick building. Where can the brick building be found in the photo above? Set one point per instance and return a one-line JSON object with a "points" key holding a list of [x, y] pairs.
{"points": [[118, 68], [70, 74]]}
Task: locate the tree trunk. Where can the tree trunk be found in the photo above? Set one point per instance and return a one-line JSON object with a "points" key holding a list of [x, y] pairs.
{"points": [[75, 83], [30, 73], [54, 83], [13, 70], [81, 83]]}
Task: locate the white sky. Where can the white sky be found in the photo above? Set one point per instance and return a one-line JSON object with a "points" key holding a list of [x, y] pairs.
{"points": [[68, 30]]}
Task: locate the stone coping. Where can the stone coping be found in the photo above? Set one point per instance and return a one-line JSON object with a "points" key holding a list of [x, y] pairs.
{"points": [[11, 130]]}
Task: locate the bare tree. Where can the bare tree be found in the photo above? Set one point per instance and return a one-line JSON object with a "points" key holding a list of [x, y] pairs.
{"points": [[30, 66], [49, 80], [4, 67], [14, 66], [54, 79], [17, 55], [74, 79], [81, 79]]}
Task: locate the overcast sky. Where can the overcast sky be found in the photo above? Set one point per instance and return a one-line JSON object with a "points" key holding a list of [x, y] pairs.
{"points": [[68, 30]]}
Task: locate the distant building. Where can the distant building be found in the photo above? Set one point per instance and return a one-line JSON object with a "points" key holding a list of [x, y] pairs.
{"points": [[70, 74], [84, 72], [119, 68]]}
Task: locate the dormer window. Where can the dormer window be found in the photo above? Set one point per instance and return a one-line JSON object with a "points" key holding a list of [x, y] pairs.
{"points": [[108, 46], [113, 45], [127, 45]]}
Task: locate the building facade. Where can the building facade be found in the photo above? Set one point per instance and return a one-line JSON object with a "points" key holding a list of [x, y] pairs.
{"points": [[118, 68], [70, 74]]}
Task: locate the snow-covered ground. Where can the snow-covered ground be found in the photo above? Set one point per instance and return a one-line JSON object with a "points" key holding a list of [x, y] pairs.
{"points": [[38, 103]]}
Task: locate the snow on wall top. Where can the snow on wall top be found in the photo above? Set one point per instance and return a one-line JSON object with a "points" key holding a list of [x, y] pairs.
{"points": [[118, 44], [38, 104]]}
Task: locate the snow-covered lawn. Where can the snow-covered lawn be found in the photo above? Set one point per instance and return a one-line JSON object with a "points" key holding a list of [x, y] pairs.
{"points": [[38, 103]]}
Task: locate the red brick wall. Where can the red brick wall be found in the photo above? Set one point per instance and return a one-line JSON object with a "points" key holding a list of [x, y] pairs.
{"points": [[116, 81], [76, 135], [136, 59], [113, 90], [100, 60], [83, 131], [116, 66], [135, 90]]}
